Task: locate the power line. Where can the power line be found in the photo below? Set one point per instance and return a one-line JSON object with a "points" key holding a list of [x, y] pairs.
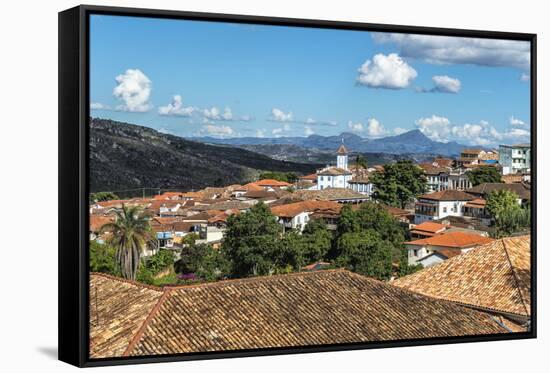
{"points": [[144, 189]]}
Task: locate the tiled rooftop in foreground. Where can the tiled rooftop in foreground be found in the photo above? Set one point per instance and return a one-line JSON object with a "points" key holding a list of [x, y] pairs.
{"points": [[495, 276], [300, 309]]}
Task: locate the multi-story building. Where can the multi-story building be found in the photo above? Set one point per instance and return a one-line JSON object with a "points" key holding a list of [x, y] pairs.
{"points": [[361, 184], [437, 205], [444, 178], [477, 157], [515, 158]]}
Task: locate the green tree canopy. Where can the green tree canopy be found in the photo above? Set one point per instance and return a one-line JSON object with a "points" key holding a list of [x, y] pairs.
{"points": [[366, 253], [399, 183], [484, 174], [154, 265], [513, 222], [368, 240], [371, 216], [102, 196], [102, 258], [252, 242], [288, 177], [500, 201], [204, 261], [316, 241]]}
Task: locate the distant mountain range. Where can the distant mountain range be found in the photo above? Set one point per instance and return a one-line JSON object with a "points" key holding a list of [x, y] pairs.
{"points": [[411, 142], [126, 156]]}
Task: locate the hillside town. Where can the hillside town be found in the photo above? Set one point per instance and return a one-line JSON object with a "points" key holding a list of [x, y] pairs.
{"points": [[446, 240]]}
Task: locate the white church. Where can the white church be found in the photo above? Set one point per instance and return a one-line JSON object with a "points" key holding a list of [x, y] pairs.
{"points": [[336, 177]]}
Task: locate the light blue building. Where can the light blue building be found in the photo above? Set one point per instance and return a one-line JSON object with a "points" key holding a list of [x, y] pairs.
{"points": [[515, 158]]}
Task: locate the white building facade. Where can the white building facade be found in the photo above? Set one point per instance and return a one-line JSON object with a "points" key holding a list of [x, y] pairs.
{"points": [[438, 205], [336, 177], [515, 158]]}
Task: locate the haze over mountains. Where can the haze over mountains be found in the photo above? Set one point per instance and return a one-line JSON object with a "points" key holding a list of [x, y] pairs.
{"points": [[125, 156], [411, 142]]}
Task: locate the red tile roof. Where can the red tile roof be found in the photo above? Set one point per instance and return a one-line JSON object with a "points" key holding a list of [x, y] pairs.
{"points": [[96, 222], [448, 195], [293, 209], [334, 171], [312, 177], [476, 203], [299, 309], [272, 183], [429, 227], [495, 276], [453, 239], [250, 187]]}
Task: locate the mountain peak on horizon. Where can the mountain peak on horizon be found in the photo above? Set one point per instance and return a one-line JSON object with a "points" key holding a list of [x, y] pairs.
{"points": [[415, 135]]}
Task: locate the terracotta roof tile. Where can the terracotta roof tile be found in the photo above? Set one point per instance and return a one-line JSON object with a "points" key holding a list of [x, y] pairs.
{"points": [[448, 195], [495, 276], [453, 239], [312, 177], [272, 183], [96, 222], [522, 190], [118, 309], [293, 209], [300, 309], [334, 171], [327, 194], [429, 227]]}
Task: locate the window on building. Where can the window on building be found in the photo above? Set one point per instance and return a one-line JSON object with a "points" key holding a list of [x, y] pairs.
{"points": [[444, 209]]}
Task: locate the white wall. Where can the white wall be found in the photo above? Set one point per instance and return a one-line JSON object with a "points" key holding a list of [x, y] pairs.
{"points": [[339, 181], [29, 112], [300, 220], [450, 208]]}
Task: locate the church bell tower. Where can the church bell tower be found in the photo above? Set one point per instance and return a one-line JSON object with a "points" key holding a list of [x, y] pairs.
{"points": [[342, 157]]}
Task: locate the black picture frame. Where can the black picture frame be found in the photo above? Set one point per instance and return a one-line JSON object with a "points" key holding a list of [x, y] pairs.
{"points": [[73, 179]]}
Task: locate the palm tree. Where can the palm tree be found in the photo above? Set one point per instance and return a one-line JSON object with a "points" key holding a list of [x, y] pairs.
{"points": [[130, 233]]}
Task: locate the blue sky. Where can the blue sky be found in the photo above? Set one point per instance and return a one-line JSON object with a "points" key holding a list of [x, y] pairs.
{"points": [[193, 78]]}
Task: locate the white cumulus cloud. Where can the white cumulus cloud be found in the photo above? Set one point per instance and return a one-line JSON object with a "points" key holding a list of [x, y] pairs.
{"points": [[212, 114], [134, 90], [281, 130], [383, 71], [176, 108], [355, 127], [517, 122], [441, 129], [277, 115], [310, 121], [260, 133], [456, 50], [218, 131], [446, 84], [98, 106], [399, 130], [375, 128], [227, 114], [308, 130], [435, 127]]}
